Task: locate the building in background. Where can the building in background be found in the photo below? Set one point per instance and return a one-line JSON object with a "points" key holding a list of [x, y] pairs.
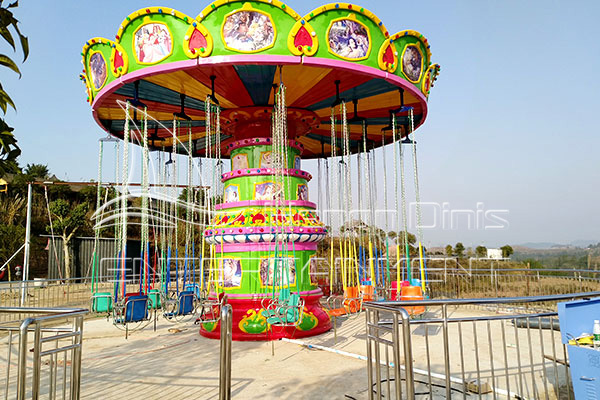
{"points": [[494, 254]]}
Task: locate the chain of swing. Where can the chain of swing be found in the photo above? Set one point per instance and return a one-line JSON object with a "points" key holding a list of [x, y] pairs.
{"points": [[160, 251], [368, 265]]}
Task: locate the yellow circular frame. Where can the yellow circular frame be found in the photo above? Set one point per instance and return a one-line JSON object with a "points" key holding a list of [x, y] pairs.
{"points": [[221, 273], [351, 16], [298, 188], [91, 78], [427, 80], [248, 8], [288, 284], [401, 62], [133, 42], [236, 185]]}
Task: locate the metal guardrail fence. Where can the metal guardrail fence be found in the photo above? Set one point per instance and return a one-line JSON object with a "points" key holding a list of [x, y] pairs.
{"points": [[43, 353], [454, 353]]}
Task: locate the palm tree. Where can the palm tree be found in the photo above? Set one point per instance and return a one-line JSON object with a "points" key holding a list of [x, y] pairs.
{"points": [[9, 150]]}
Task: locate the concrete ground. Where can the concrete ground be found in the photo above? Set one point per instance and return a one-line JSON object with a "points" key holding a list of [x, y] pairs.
{"points": [[175, 362]]}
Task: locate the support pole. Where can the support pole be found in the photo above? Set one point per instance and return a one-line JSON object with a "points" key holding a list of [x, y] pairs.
{"points": [[27, 243], [225, 354]]}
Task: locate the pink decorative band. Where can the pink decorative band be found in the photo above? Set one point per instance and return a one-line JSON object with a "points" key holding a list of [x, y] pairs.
{"points": [[250, 296], [267, 237], [261, 141], [266, 203], [264, 229], [240, 247], [264, 171]]}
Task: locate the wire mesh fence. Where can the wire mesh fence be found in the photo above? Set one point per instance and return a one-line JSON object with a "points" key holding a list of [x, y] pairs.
{"points": [[48, 293]]}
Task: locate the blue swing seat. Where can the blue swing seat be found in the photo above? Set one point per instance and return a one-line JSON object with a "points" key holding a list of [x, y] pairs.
{"points": [[136, 308], [194, 287], [186, 302]]}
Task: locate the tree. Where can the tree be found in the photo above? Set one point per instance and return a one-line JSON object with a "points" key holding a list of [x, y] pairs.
{"points": [[459, 250], [470, 252], [506, 251], [39, 171], [399, 237], [12, 238], [449, 250], [9, 150], [12, 209], [481, 251], [67, 218]]}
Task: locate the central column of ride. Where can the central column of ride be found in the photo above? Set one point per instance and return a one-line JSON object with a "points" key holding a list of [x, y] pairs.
{"points": [[255, 209]]}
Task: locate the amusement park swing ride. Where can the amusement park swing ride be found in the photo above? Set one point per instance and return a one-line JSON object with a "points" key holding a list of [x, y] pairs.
{"points": [[257, 86]]}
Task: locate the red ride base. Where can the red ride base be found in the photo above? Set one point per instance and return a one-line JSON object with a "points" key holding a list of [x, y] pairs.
{"points": [[248, 324]]}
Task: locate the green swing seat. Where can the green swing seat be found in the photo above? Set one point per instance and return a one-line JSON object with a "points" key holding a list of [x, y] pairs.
{"points": [[154, 295], [284, 310], [102, 302]]}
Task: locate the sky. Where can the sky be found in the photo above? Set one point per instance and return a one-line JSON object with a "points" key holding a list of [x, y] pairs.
{"points": [[512, 128]]}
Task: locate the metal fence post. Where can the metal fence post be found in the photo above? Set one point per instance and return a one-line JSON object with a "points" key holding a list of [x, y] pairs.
{"points": [[37, 362], [408, 360], [397, 362], [25, 270], [225, 354], [369, 354], [446, 351], [23, 351], [76, 364]]}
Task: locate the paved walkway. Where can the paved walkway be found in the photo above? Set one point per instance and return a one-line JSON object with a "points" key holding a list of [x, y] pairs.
{"points": [[175, 362], [181, 365]]}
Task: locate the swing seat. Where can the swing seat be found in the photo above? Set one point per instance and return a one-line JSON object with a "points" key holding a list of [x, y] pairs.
{"points": [[185, 304], [275, 307], [194, 288], [211, 309], [394, 290], [287, 313], [284, 294], [350, 303], [412, 293], [154, 295], [337, 312], [368, 292], [395, 293], [102, 302], [352, 299], [136, 308]]}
